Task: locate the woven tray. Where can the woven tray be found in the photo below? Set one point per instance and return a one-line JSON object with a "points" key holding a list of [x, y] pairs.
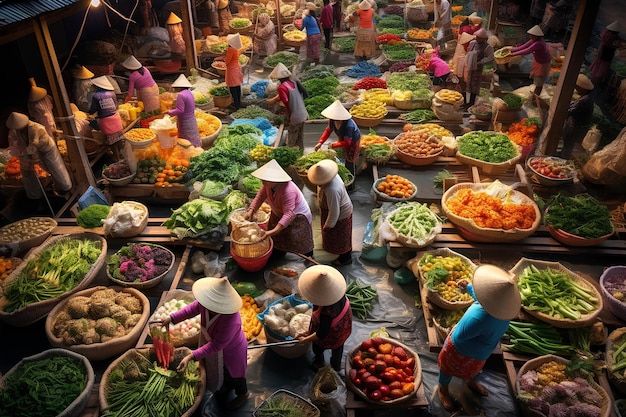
{"points": [[145, 284], [36, 311], [133, 230], [617, 379], [21, 246], [306, 407], [617, 307], [77, 406], [417, 373], [488, 167], [585, 320], [484, 234], [103, 350], [535, 363], [433, 296], [385, 197], [145, 352]]}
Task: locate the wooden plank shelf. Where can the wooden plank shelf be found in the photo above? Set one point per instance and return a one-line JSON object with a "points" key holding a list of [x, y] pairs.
{"points": [[354, 403]]}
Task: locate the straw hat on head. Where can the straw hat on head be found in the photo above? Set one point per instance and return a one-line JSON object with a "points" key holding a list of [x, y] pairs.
{"points": [[280, 71], [535, 30], [83, 74], [181, 82], [272, 172], [322, 285], [474, 19], [217, 295], [466, 38], [336, 111], [365, 5], [131, 63], [310, 6], [322, 172], [481, 33], [582, 81], [497, 292], [36, 93], [234, 40], [103, 83], [173, 19], [17, 121], [613, 27]]}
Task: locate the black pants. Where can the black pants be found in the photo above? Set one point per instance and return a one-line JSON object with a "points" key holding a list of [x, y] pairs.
{"points": [[335, 357], [240, 386], [235, 92], [328, 37]]}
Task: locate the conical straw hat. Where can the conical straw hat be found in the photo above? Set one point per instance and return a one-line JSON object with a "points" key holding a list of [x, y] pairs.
{"points": [[582, 81], [103, 82], [466, 38], [365, 5], [614, 27], [217, 295], [322, 285], [83, 74], [234, 40], [36, 93], [271, 171], [475, 19], [322, 172], [17, 121], [131, 63], [496, 291], [336, 111], [182, 82], [173, 19], [280, 71], [535, 30]]}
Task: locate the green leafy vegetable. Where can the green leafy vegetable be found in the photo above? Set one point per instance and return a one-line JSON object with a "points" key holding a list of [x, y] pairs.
{"points": [[197, 216], [285, 155], [581, 215], [92, 216], [221, 91], [489, 147]]}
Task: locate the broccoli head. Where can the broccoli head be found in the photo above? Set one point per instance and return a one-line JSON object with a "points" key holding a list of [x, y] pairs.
{"points": [[78, 307]]}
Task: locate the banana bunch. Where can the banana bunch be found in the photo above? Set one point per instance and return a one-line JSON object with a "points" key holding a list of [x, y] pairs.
{"points": [[295, 35], [261, 153], [369, 109], [379, 95], [449, 96]]}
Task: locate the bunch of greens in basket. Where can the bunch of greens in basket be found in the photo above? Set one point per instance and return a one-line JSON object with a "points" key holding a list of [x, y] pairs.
{"points": [[253, 111], [316, 104], [344, 44], [408, 81]]}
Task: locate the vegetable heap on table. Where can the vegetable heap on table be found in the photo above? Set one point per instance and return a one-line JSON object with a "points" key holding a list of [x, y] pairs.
{"points": [[137, 386], [319, 86], [367, 83], [524, 132], [281, 404], [396, 186], [57, 269], [442, 275], [415, 222], [378, 153], [368, 110], [197, 217], [92, 215], [400, 66], [252, 326], [287, 321], [535, 338], [318, 71], [489, 147], [617, 361], [316, 104], [383, 370], [556, 294], [513, 101], [306, 161], [419, 144], [363, 69], [408, 81], [285, 155], [221, 91], [104, 315], [552, 389], [240, 22], [388, 38], [116, 170], [582, 215], [59, 381], [361, 298], [139, 262], [399, 51], [253, 111], [183, 331]]}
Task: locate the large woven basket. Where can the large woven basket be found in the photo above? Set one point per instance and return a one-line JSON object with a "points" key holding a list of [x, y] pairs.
{"points": [[382, 196], [617, 307], [417, 373], [536, 363], [36, 311], [248, 249], [21, 246], [586, 319], [489, 167], [616, 378], [287, 351], [145, 352], [103, 350], [187, 296], [133, 230], [473, 232], [77, 406], [306, 407], [145, 284], [433, 296], [368, 122]]}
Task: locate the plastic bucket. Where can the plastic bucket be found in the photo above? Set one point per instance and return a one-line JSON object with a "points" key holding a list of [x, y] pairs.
{"points": [[167, 137]]}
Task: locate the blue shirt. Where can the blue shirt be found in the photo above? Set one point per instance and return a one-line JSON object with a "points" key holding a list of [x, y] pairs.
{"points": [[104, 102], [477, 333], [310, 24]]}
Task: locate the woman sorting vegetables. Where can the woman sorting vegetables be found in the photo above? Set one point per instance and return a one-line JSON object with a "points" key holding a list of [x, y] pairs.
{"points": [[104, 104], [291, 94], [141, 80], [335, 210], [476, 335], [541, 56], [290, 221], [331, 321], [340, 121], [185, 112], [222, 343]]}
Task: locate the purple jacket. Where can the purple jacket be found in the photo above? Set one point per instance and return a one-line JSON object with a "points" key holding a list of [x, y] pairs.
{"points": [[138, 80], [226, 334], [538, 48], [185, 105], [104, 102], [287, 202]]}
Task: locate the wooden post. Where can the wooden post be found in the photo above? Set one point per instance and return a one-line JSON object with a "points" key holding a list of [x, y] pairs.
{"points": [[190, 41], [583, 27], [81, 170], [493, 14], [278, 26]]}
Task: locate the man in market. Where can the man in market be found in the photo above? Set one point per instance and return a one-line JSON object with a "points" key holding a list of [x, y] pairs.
{"points": [[579, 116]]}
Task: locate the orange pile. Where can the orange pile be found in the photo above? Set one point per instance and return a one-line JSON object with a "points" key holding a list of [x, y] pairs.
{"points": [[396, 186]]}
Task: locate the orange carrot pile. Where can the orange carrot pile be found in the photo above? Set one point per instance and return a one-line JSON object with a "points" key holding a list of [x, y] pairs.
{"points": [[163, 349], [491, 212], [523, 133], [396, 186]]}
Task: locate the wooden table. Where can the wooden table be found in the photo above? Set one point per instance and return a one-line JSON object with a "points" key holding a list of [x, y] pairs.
{"points": [[354, 403]]}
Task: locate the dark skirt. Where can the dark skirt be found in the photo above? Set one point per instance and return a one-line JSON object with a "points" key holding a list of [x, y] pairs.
{"points": [[337, 240], [295, 238]]}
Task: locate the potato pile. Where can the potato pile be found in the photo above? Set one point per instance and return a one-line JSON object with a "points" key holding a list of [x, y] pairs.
{"points": [[26, 229], [449, 96], [418, 143]]}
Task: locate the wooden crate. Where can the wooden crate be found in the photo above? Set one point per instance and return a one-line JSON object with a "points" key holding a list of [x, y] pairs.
{"points": [[354, 403]]}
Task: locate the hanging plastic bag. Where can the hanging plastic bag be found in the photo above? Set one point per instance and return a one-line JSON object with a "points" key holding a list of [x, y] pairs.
{"points": [[328, 392], [608, 165], [592, 139]]}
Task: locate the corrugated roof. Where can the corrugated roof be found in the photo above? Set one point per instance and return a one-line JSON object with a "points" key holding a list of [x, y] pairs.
{"points": [[15, 11]]}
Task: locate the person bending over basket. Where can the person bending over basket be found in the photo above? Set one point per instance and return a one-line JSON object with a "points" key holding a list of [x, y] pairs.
{"points": [[476, 335]]}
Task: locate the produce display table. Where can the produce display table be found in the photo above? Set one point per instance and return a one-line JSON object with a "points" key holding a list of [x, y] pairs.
{"points": [[355, 403]]}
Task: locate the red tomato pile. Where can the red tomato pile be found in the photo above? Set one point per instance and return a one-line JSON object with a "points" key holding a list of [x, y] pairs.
{"points": [[382, 370], [551, 168], [367, 83]]}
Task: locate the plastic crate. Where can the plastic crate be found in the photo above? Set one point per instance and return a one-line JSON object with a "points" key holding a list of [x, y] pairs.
{"points": [[92, 196]]}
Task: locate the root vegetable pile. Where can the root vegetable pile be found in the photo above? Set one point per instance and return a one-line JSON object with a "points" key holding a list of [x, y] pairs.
{"points": [[396, 186]]}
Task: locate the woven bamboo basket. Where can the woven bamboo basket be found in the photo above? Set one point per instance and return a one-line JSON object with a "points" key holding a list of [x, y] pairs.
{"points": [[77, 406], [133, 230], [36, 311], [19, 246], [616, 378], [535, 363], [187, 296], [382, 196], [147, 355], [248, 249], [301, 404], [488, 167], [368, 122], [479, 234], [417, 373], [433, 296], [247, 30], [572, 240], [144, 284], [586, 319], [102, 350], [294, 44]]}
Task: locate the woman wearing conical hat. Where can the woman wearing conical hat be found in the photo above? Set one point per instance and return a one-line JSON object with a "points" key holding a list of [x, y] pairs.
{"points": [[609, 42], [458, 60], [185, 112], [141, 80], [290, 222], [234, 75], [479, 53], [536, 45], [40, 107], [82, 88], [366, 33], [104, 105]]}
